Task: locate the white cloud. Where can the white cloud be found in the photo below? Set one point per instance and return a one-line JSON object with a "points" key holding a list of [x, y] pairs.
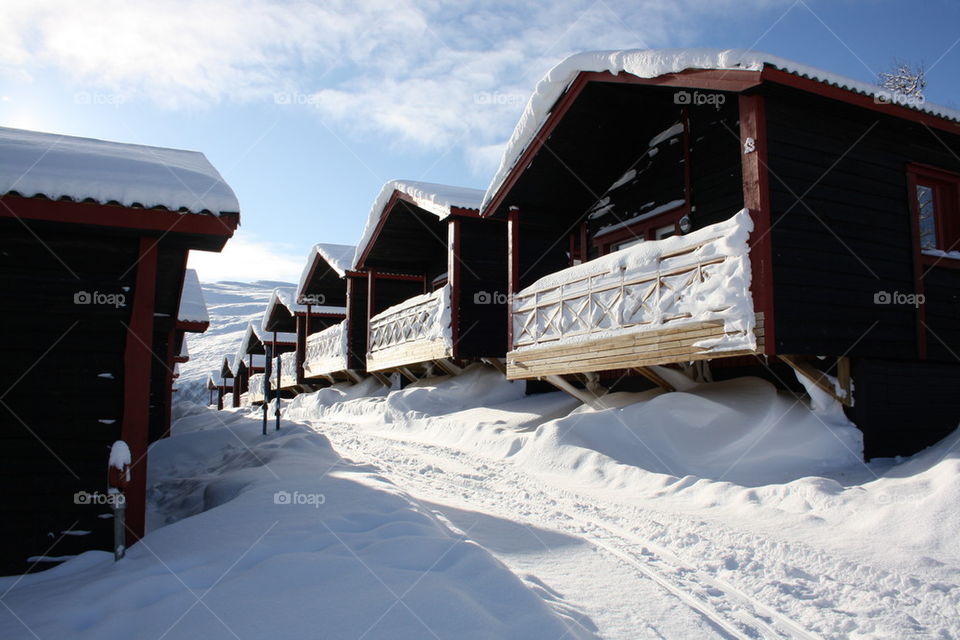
{"points": [[430, 74], [247, 260]]}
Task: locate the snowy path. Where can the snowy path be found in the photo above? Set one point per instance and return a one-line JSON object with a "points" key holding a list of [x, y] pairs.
{"points": [[628, 568]]}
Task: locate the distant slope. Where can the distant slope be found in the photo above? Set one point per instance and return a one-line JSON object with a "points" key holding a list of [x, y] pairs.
{"points": [[231, 306]]}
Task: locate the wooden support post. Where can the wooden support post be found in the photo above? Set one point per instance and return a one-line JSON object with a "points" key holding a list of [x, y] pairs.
{"points": [[406, 373], [356, 377], [756, 198], [371, 307], [384, 380], [582, 395], [448, 367], [301, 353], [137, 363], [513, 267], [655, 378], [843, 377], [817, 377], [497, 364], [453, 278]]}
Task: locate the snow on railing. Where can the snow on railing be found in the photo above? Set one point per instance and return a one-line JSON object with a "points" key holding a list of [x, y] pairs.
{"points": [[255, 388], [288, 369], [421, 318], [701, 276], [327, 351]]}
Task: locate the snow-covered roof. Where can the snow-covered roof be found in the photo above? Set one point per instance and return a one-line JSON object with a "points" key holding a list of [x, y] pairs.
{"points": [[193, 308], [284, 297], [438, 199], [652, 63], [287, 298], [338, 256], [56, 166], [250, 334]]}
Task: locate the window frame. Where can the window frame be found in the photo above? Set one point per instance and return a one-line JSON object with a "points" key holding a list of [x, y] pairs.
{"points": [[946, 190], [646, 229]]}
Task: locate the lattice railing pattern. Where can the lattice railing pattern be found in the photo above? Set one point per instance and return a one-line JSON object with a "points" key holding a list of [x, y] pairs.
{"points": [[255, 387], [288, 368], [655, 295], [424, 318], [326, 347]]}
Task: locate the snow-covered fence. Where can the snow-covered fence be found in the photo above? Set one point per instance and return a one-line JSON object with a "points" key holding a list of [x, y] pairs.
{"points": [[255, 388], [698, 283], [414, 331], [327, 351], [288, 369]]}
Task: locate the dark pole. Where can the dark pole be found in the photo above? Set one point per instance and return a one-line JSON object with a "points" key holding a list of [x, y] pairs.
{"points": [[268, 348], [277, 411]]}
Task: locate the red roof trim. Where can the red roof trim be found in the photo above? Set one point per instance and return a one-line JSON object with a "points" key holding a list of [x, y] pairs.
{"points": [[156, 220], [713, 79], [817, 87], [192, 326]]}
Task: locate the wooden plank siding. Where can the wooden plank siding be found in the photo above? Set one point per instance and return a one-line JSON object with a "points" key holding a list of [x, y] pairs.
{"points": [[53, 346], [636, 349], [408, 354], [850, 236], [481, 303]]}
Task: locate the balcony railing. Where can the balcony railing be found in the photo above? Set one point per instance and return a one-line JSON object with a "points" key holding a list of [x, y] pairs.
{"points": [[288, 369], [327, 351], [697, 284], [255, 388], [416, 330]]}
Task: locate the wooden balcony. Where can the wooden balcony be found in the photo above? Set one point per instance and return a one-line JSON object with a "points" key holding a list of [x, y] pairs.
{"points": [[679, 299], [326, 353], [413, 332], [288, 370], [255, 389]]}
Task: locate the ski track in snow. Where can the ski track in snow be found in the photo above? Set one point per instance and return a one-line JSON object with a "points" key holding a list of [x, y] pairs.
{"points": [[732, 586]]}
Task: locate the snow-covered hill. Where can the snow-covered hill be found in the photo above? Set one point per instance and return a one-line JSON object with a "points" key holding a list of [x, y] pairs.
{"points": [[231, 306]]}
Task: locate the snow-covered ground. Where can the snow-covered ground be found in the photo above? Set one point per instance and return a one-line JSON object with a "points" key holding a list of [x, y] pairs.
{"points": [[460, 507]]}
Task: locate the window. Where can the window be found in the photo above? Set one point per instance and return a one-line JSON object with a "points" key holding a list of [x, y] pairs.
{"points": [[926, 206], [936, 208], [626, 243], [661, 226]]}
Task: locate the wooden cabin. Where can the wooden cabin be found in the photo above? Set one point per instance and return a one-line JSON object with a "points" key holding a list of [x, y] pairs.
{"points": [[279, 341], [436, 280], [192, 317], [229, 382], [333, 350], [93, 247], [622, 187], [285, 314], [215, 390], [251, 359]]}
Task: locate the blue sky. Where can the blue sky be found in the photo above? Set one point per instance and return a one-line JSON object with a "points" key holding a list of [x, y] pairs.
{"points": [[307, 108]]}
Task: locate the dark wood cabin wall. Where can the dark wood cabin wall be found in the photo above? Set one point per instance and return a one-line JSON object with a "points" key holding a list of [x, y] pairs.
{"points": [[59, 404], [158, 388], [941, 287], [544, 248], [357, 321], [482, 303], [659, 178], [889, 393], [388, 292], [715, 163], [851, 236]]}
